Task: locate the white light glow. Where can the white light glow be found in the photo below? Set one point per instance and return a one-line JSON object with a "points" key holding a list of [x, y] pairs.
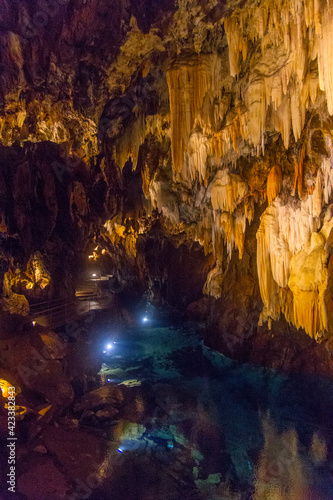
{"points": [[94, 275], [109, 346], [145, 319]]}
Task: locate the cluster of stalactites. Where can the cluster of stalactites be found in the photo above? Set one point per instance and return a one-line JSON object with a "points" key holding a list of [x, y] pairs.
{"points": [[283, 82], [291, 257], [193, 84], [203, 234], [128, 145], [291, 34], [116, 232], [228, 191], [232, 207]]}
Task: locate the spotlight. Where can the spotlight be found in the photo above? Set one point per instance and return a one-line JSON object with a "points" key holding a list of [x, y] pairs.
{"points": [[94, 275], [109, 346], [145, 319], [33, 323]]}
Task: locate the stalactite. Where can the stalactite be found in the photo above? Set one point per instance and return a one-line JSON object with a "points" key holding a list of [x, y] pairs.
{"points": [[145, 174], [213, 285], [218, 245], [325, 55], [228, 191], [231, 210], [307, 281], [189, 82], [283, 83], [274, 183], [163, 199], [249, 209], [236, 42], [203, 233], [117, 232], [291, 256], [127, 146], [226, 223], [239, 234], [197, 153], [298, 179]]}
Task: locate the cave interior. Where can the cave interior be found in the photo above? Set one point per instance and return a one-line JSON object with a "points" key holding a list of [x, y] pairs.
{"points": [[166, 249]]}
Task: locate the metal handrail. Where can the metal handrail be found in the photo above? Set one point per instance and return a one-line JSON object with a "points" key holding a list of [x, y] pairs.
{"points": [[64, 311], [52, 309], [48, 302]]}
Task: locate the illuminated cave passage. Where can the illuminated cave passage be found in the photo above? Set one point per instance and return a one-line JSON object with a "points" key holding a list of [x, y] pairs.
{"points": [[166, 215]]}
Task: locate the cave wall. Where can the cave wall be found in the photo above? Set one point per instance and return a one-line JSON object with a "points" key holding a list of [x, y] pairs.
{"points": [[48, 210], [211, 122]]}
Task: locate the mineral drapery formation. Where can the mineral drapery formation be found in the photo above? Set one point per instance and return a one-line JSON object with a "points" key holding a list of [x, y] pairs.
{"points": [[193, 123]]}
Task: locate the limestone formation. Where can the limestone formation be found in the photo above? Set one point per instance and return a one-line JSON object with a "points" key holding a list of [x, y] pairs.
{"points": [[189, 125]]}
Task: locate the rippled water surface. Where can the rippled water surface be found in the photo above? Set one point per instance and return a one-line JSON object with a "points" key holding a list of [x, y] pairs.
{"points": [[216, 429]]}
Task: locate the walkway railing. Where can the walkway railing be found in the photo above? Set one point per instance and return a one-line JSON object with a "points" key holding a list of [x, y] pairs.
{"points": [[57, 312]]}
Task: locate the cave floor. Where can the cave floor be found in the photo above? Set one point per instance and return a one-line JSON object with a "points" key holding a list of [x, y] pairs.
{"points": [[214, 429]]}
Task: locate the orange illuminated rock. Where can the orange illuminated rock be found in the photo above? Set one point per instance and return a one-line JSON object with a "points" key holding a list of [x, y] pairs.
{"points": [[274, 183]]}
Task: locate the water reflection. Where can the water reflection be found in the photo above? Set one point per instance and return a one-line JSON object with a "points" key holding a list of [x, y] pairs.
{"points": [[217, 429], [280, 474]]}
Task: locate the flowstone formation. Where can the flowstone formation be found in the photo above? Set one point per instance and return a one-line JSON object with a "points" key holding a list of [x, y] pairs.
{"points": [[203, 130]]}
